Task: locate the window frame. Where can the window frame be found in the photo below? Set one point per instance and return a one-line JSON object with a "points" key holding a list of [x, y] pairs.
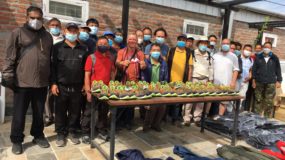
{"points": [[81, 3], [195, 23]]}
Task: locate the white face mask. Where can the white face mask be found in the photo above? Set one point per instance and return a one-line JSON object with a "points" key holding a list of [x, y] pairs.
{"points": [[212, 43], [246, 53], [266, 50], [35, 24], [140, 40]]}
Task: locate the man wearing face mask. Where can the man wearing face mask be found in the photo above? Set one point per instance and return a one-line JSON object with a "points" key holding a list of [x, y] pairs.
{"points": [[67, 82], [266, 75], [118, 40], [159, 37], [180, 65], [93, 24], [257, 49], [54, 26], [147, 33], [26, 71], [226, 67], [84, 39], [99, 66], [110, 36], [212, 44], [131, 61], [156, 71], [140, 36], [202, 72], [247, 64]]}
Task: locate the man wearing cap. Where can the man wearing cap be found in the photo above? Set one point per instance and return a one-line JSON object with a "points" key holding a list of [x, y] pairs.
{"points": [[84, 38], [190, 42], [93, 24], [67, 83], [26, 71], [180, 63], [111, 36], [202, 72]]}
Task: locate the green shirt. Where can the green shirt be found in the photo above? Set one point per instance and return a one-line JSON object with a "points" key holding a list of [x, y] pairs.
{"points": [[155, 71]]}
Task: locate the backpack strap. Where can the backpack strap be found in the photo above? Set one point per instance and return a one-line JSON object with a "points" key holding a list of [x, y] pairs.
{"points": [[93, 58]]}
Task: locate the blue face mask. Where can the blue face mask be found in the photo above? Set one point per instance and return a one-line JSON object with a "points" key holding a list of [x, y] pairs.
{"points": [[155, 55], [146, 37], [159, 40], [225, 47], [94, 30], [203, 48], [83, 36], [54, 31], [110, 42], [71, 37], [118, 39], [181, 44], [237, 52]]}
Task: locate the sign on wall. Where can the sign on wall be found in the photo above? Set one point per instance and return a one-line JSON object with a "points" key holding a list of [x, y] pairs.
{"points": [[268, 37]]}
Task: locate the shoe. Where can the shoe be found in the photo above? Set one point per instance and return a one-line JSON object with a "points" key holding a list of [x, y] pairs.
{"points": [[128, 127], [86, 139], [186, 124], [198, 124], [41, 141], [157, 129], [73, 139], [60, 140], [17, 148], [48, 123], [146, 129]]}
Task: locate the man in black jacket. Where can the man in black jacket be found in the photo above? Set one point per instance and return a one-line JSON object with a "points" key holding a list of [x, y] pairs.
{"points": [[266, 74], [27, 71], [67, 83]]}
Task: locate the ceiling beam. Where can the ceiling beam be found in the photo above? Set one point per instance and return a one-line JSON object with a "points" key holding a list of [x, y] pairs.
{"points": [[213, 4], [236, 2], [269, 24]]}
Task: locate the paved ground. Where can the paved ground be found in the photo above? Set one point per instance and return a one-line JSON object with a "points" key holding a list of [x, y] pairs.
{"points": [[152, 144]]}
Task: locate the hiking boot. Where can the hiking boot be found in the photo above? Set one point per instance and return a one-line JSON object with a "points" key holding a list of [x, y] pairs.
{"points": [[60, 140], [73, 139], [17, 148], [41, 141]]}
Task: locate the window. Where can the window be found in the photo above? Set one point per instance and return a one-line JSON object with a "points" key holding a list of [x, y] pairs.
{"points": [[195, 28], [67, 10]]}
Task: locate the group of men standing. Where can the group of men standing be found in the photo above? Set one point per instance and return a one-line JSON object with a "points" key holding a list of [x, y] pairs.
{"points": [[56, 67]]}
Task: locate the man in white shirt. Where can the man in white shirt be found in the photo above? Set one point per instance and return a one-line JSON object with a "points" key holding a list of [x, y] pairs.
{"points": [[225, 65], [247, 64]]}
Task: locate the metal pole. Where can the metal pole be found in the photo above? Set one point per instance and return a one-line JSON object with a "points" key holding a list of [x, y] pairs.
{"points": [[113, 132], [234, 134], [226, 23], [203, 117], [125, 19]]}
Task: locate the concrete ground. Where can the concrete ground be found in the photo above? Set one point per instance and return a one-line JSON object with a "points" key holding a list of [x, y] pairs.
{"points": [[152, 144]]}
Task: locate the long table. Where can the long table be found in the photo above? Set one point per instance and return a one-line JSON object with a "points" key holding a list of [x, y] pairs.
{"points": [[115, 104]]}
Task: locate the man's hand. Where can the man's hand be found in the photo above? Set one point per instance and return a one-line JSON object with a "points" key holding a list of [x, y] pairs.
{"points": [[125, 63], [253, 84], [147, 107], [142, 65], [54, 90], [233, 85], [278, 85], [89, 96]]}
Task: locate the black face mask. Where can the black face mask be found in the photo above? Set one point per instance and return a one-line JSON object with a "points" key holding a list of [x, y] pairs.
{"points": [[103, 49]]}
